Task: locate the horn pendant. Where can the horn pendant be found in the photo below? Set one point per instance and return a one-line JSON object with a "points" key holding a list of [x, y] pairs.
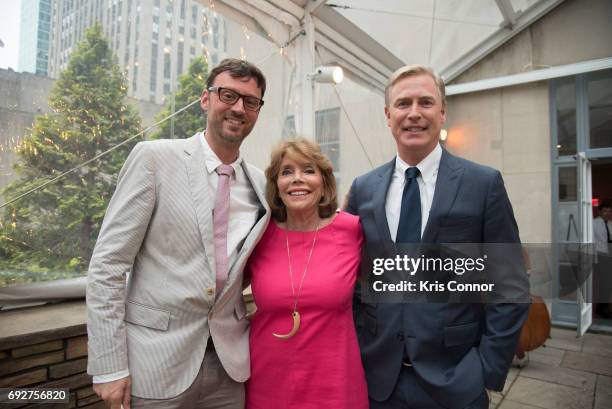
{"points": [[294, 330]]}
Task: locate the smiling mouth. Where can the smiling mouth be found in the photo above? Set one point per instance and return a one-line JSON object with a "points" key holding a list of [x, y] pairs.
{"points": [[234, 121], [414, 128], [298, 193]]}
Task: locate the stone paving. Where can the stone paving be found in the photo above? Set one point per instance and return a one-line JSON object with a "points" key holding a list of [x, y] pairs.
{"points": [[568, 373]]}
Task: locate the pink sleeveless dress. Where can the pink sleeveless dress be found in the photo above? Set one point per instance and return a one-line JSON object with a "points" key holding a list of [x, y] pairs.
{"points": [[320, 367]]}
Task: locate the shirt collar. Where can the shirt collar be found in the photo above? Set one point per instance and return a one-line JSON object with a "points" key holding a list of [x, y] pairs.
{"points": [[428, 167], [213, 161]]}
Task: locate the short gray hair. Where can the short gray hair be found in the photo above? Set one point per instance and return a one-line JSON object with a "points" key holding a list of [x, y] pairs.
{"points": [[411, 71]]}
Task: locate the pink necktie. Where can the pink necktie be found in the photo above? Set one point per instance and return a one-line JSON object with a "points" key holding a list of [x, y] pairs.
{"points": [[220, 220]]}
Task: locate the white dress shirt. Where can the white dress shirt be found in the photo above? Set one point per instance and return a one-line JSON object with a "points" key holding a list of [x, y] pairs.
{"points": [[428, 175], [244, 207], [600, 235], [244, 204]]}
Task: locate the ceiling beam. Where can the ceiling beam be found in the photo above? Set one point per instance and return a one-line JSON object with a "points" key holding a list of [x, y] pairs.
{"points": [[543, 74], [314, 5], [289, 7], [228, 9], [325, 31], [259, 17], [349, 31], [507, 12], [350, 45], [274, 12], [490, 44]]}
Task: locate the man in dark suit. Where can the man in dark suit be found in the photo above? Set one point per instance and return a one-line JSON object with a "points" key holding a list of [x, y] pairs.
{"points": [[433, 355]]}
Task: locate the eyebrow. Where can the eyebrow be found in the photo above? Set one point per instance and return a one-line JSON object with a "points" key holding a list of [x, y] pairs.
{"points": [[427, 97], [300, 165]]}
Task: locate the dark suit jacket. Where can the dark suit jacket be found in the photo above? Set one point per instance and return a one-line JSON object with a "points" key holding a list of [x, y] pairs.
{"points": [[456, 349]]}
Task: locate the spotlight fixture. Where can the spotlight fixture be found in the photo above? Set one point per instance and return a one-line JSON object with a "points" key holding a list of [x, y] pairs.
{"points": [[328, 74]]}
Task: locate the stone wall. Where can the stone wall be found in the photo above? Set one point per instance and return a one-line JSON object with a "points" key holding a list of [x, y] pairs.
{"points": [[46, 347]]}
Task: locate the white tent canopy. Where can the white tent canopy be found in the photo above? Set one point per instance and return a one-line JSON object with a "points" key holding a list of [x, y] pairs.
{"points": [[370, 40]]}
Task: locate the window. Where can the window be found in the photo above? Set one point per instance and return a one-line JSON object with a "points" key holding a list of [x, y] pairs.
{"points": [[327, 124], [167, 65], [153, 79], [565, 102], [225, 35], [582, 110], [327, 131], [194, 15], [135, 78], [179, 58], [599, 93], [216, 33], [182, 9]]}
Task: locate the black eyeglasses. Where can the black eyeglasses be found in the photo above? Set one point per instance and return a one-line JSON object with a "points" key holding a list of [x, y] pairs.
{"points": [[230, 97]]}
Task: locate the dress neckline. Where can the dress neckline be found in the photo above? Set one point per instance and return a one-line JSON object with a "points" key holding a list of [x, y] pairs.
{"points": [[335, 217]]}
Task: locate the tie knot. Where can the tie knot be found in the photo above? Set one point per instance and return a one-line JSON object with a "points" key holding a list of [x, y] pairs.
{"points": [[412, 172], [225, 170]]}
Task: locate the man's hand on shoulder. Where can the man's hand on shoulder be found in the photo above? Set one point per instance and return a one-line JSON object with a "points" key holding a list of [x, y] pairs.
{"points": [[115, 393]]}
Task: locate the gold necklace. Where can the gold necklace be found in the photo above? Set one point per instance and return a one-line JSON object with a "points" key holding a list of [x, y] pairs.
{"points": [[295, 314]]}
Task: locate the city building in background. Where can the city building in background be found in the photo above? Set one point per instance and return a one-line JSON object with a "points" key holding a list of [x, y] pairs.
{"points": [[154, 40], [34, 36]]}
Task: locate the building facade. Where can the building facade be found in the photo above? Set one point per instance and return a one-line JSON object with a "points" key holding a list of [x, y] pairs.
{"points": [[154, 40], [34, 36]]}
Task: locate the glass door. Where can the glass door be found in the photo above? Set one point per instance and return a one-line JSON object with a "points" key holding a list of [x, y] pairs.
{"points": [[581, 130]]}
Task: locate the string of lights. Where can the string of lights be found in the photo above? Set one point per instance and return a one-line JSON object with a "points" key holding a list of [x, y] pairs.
{"points": [[98, 156]]}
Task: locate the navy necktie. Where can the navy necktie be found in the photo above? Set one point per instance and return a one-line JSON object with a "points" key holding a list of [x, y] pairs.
{"points": [[409, 228]]}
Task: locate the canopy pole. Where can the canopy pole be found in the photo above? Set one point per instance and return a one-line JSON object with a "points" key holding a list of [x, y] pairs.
{"points": [[305, 66]]}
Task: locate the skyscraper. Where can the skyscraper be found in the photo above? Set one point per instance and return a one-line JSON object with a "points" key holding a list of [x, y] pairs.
{"points": [[154, 40], [34, 36]]}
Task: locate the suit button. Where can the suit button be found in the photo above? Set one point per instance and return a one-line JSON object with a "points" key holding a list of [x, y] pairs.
{"points": [[210, 291]]}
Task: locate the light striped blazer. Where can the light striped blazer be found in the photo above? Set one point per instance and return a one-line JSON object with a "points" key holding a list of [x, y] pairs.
{"points": [[158, 227]]}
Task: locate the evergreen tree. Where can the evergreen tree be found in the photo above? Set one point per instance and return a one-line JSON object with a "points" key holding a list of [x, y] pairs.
{"points": [[192, 120], [55, 228]]}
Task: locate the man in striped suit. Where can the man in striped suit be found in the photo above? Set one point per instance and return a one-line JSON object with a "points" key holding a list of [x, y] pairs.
{"points": [[166, 318]]}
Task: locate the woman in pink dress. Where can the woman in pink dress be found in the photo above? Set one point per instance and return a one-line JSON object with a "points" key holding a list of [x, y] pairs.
{"points": [[304, 351]]}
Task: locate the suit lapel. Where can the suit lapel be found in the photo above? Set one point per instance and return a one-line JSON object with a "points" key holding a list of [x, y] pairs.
{"points": [[380, 198], [203, 198], [447, 186]]}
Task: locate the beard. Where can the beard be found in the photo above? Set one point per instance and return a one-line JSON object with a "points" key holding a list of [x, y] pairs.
{"points": [[229, 133]]}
